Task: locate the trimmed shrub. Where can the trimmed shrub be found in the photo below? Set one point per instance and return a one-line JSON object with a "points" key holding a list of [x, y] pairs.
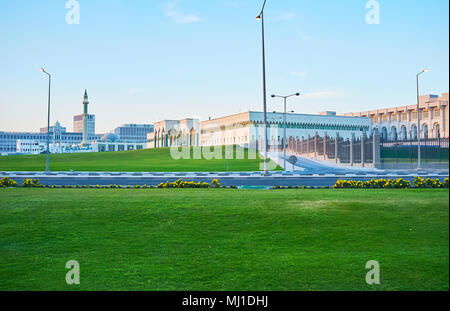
{"points": [[420, 182], [183, 184], [216, 183], [7, 182], [31, 183]]}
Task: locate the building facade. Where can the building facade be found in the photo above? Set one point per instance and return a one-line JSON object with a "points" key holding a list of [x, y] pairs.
{"points": [[174, 133], [111, 142], [134, 132], [27, 146], [247, 129], [400, 123], [19, 142], [60, 140]]}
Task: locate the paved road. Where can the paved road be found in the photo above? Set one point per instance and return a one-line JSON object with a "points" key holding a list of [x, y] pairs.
{"points": [[306, 173], [294, 180]]}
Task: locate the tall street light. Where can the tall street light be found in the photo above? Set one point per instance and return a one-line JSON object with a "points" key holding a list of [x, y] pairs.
{"points": [[285, 124], [418, 118], [47, 167], [261, 17]]}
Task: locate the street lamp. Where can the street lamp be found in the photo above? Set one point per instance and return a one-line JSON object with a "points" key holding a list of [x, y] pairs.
{"points": [[284, 124], [261, 17], [47, 167], [418, 118]]}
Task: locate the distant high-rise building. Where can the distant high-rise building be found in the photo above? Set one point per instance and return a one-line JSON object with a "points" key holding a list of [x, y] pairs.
{"points": [[134, 132], [85, 123]]}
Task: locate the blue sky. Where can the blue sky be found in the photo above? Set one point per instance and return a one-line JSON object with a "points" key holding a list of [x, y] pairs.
{"points": [[146, 60]]}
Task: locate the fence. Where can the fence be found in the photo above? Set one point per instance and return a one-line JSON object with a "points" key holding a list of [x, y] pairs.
{"points": [[371, 151], [355, 151], [404, 153]]}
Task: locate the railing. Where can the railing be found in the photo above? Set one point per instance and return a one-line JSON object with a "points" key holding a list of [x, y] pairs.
{"points": [[404, 153], [346, 151]]}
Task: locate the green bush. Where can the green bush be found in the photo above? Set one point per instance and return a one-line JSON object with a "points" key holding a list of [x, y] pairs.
{"points": [[184, 184], [7, 182], [400, 183], [420, 182], [372, 184], [31, 183], [216, 183]]}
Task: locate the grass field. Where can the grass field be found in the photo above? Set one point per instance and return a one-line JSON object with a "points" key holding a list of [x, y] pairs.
{"points": [[223, 239], [149, 160]]}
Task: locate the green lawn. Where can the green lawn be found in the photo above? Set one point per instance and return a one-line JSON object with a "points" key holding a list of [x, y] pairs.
{"points": [[149, 160], [223, 239]]}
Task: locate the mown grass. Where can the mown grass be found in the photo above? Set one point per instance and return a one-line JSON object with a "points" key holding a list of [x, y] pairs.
{"points": [[148, 160], [223, 239]]}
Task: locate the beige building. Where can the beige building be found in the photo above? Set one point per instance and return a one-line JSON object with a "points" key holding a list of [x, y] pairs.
{"points": [[247, 129], [173, 133], [400, 123]]}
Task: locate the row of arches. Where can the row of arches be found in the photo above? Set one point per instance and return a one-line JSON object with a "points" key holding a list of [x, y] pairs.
{"points": [[404, 134], [175, 138]]}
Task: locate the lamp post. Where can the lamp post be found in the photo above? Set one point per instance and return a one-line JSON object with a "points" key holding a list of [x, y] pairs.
{"points": [[47, 167], [418, 118], [285, 124], [261, 17]]}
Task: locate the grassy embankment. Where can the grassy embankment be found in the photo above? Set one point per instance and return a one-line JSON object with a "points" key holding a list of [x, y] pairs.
{"points": [[148, 160]]}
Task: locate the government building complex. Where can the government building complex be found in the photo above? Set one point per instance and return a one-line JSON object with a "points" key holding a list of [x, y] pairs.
{"points": [[244, 129], [247, 129]]}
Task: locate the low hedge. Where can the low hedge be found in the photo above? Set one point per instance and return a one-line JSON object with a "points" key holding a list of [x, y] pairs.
{"points": [[184, 184], [31, 183], [7, 182], [420, 182], [400, 183]]}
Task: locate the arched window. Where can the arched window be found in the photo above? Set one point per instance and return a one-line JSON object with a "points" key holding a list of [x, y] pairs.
{"points": [[437, 130], [394, 133], [425, 131], [384, 133], [414, 132], [404, 133]]}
